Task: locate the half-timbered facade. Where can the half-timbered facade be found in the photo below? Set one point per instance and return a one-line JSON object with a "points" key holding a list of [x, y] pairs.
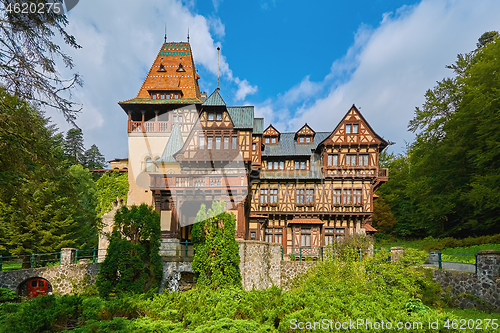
{"points": [[301, 189]]}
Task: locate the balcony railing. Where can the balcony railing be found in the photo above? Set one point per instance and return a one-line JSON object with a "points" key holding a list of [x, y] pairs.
{"points": [[384, 173], [148, 126]]}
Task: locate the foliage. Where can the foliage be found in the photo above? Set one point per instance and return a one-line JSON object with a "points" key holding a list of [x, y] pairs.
{"points": [[110, 187], [7, 295], [383, 219], [373, 289], [44, 205], [93, 159], [447, 182], [73, 146], [28, 57], [132, 262], [216, 253]]}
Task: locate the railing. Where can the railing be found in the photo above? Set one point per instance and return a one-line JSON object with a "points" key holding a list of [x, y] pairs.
{"points": [[456, 261], [351, 172], [36, 260], [383, 173], [185, 251], [319, 253], [148, 126], [339, 208]]}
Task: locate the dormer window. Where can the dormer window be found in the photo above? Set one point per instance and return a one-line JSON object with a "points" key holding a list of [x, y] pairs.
{"points": [[351, 129], [180, 69], [305, 134], [162, 68]]}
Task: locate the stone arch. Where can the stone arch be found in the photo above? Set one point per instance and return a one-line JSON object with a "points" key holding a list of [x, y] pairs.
{"points": [[34, 286]]}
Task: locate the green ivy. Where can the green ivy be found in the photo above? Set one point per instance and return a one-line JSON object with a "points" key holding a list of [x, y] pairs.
{"points": [[110, 186], [132, 263], [216, 260]]}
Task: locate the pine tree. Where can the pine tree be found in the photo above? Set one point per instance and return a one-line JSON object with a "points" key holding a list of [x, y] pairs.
{"points": [[73, 146], [93, 159]]}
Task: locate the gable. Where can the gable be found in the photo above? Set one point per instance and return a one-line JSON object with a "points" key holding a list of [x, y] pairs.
{"points": [[305, 130], [271, 131], [354, 129]]}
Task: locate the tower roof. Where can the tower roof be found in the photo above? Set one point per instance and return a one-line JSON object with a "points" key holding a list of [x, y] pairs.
{"points": [[215, 99], [173, 70], [173, 145]]}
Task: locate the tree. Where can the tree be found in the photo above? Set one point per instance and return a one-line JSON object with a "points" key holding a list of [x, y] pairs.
{"points": [[28, 56], [43, 205], [93, 159], [110, 186], [132, 262], [216, 252], [383, 218], [73, 146]]}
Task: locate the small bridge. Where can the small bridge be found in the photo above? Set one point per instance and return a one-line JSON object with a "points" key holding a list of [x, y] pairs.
{"points": [[62, 279]]}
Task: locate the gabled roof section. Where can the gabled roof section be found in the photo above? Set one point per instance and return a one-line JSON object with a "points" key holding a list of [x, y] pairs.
{"points": [[242, 116], [365, 134], [174, 144], [271, 131], [288, 146], [305, 130], [164, 74], [258, 125], [215, 99]]}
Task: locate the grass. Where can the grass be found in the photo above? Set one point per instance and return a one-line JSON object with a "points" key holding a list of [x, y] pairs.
{"points": [[412, 244], [466, 254]]}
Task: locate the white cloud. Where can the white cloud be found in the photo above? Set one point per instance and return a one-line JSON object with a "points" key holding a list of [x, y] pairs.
{"points": [[244, 89], [388, 69], [119, 44], [216, 4]]}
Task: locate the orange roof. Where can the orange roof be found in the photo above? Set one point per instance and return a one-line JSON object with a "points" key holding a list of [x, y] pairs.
{"points": [[173, 70], [307, 221], [369, 228]]}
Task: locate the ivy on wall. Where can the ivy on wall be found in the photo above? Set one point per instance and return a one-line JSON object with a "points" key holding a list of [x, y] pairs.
{"points": [[110, 186], [216, 253]]}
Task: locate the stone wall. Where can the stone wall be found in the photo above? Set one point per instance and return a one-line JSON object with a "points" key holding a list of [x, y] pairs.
{"points": [[65, 279], [260, 264], [468, 290], [291, 269]]}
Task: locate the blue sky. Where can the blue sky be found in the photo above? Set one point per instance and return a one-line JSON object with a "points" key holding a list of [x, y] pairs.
{"points": [[295, 61]]}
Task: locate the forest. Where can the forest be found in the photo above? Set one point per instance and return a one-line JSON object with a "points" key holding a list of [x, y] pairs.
{"points": [[447, 182]]}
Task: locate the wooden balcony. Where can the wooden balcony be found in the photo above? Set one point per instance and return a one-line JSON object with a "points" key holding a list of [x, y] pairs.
{"points": [[383, 174], [351, 173], [316, 208], [149, 126]]}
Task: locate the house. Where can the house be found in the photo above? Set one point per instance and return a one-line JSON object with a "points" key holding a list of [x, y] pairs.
{"points": [[299, 189]]}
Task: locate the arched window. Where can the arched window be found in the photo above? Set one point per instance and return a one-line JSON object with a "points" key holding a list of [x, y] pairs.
{"points": [[149, 164], [157, 164]]}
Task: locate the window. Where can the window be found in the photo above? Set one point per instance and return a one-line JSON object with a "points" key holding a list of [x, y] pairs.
{"points": [[355, 128], [226, 143], [357, 196], [252, 235], [301, 139], [340, 233], [180, 119], [274, 235], [299, 198], [202, 143], [149, 164], [333, 160], [308, 139], [210, 116], [219, 116], [282, 165], [336, 196], [234, 143], [273, 140], [309, 196], [347, 129], [199, 182], [215, 181], [273, 195], [154, 96], [302, 165], [275, 165], [297, 165], [305, 237], [176, 96], [254, 146], [350, 160], [347, 197], [329, 236], [217, 143], [264, 196], [210, 143], [363, 160], [162, 96], [156, 164]]}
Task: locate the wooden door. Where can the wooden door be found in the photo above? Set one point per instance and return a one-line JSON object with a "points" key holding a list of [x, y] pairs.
{"points": [[37, 287]]}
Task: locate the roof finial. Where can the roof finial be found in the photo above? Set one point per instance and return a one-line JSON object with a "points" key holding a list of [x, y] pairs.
{"points": [[188, 34], [165, 32], [218, 52]]}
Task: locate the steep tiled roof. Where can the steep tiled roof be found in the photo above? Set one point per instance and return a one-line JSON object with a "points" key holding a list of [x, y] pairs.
{"points": [[162, 101], [215, 99], [242, 116], [258, 125], [287, 145], [173, 145]]}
